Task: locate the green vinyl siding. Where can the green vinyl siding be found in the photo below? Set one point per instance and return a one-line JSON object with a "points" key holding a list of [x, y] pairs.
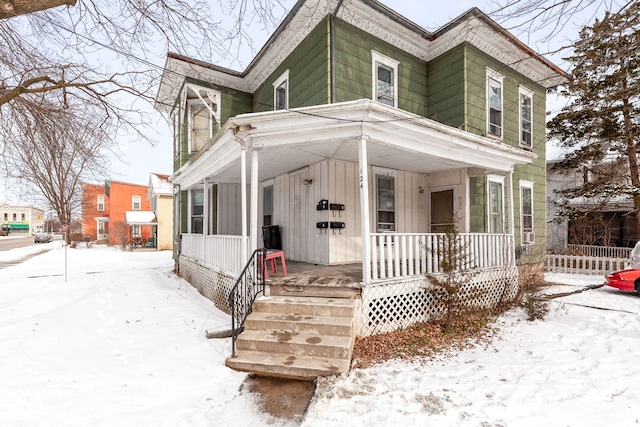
{"points": [[308, 67], [446, 88], [353, 68]]}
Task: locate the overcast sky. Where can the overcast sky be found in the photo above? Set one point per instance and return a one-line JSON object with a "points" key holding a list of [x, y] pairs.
{"points": [[138, 159]]}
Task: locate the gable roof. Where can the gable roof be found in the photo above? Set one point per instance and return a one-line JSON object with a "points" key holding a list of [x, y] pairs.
{"points": [[473, 27]]}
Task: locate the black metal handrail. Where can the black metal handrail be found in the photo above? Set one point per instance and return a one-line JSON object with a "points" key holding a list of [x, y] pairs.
{"points": [[249, 285]]}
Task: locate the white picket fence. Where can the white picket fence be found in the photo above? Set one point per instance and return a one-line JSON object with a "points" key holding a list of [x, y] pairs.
{"points": [[580, 264]]}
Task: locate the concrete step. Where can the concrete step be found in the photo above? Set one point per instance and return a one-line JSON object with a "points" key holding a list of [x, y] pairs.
{"points": [[311, 290], [302, 324], [292, 343], [287, 365], [312, 306]]}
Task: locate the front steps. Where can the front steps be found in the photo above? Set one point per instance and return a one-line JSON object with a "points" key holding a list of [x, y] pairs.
{"points": [[297, 337]]}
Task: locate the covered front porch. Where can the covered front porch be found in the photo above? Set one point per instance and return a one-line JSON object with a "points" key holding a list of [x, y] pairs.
{"points": [[350, 183]]}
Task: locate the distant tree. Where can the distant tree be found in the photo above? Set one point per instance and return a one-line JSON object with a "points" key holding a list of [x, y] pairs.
{"points": [[601, 125], [52, 152]]}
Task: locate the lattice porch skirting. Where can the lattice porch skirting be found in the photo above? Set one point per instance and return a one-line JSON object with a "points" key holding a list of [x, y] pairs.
{"points": [[212, 284], [392, 306]]}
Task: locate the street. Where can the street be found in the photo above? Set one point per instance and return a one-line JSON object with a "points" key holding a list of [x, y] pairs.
{"points": [[12, 242]]}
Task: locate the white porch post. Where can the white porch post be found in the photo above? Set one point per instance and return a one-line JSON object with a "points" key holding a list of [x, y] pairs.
{"points": [[205, 216], [364, 208], [243, 196], [254, 200], [511, 220]]}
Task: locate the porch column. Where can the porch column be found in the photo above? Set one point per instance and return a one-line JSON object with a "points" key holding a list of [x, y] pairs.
{"points": [[205, 218], [510, 219], [363, 164], [254, 200], [243, 196]]}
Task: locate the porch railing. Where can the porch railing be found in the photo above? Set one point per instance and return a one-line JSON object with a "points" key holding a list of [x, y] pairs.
{"points": [[248, 286], [598, 251], [397, 255], [217, 251]]}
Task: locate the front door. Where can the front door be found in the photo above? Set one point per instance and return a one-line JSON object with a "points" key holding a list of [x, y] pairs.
{"points": [[442, 214]]}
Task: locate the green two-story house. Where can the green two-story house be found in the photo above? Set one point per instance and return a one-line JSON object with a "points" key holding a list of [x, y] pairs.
{"points": [[361, 136]]}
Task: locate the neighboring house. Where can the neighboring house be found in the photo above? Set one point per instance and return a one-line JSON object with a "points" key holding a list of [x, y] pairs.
{"points": [[21, 220], [160, 196], [610, 222], [360, 135], [116, 208]]}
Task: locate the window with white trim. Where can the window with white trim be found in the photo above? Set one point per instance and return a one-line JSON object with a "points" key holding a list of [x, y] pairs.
{"points": [[526, 118], [526, 211], [385, 199], [197, 211], [135, 203], [494, 103], [100, 203], [135, 230], [495, 202], [385, 79], [202, 116], [281, 92]]}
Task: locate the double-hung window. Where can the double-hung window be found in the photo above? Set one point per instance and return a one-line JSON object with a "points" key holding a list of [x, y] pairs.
{"points": [[385, 200], [496, 204], [100, 203], [494, 103], [281, 92], [526, 211], [135, 203], [197, 211], [526, 118], [385, 79]]}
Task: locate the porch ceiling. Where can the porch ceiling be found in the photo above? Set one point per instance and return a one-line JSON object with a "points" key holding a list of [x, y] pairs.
{"points": [[289, 140]]}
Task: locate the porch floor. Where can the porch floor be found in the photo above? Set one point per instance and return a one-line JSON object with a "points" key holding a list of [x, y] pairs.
{"points": [[304, 279]]}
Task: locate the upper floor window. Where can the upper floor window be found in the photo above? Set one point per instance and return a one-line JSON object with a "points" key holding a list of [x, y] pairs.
{"points": [[135, 203], [385, 79], [6, 216], [196, 114], [495, 203], [15, 217], [526, 118], [24, 217], [100, 203], [281, 92], [526, 211], [494, 103]]}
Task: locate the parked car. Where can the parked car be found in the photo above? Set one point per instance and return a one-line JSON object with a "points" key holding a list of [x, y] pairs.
{"points": [[42, 238], [629, 278]]}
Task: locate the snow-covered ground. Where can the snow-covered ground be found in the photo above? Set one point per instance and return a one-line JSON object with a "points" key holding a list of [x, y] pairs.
{"points": [[122, 342]]}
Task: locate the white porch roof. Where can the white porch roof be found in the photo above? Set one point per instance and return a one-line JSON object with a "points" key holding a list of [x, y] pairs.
{"points": [[291, 139], [140, 218]]}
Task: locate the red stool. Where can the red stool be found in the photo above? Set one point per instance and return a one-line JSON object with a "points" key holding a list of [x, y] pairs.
{"points": [[272, 256]]}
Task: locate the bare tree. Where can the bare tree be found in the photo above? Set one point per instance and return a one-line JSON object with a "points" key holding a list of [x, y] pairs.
{"points": [[55, 149], [12, 8]]}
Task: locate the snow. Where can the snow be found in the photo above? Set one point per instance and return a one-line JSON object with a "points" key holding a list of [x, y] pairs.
{"points": [[122, 342]]}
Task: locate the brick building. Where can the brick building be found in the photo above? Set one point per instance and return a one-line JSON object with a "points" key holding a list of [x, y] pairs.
{"points": [[105, 207]]}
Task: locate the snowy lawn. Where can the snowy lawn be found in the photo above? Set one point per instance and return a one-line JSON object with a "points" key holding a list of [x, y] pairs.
{"points": [[121, 343]]}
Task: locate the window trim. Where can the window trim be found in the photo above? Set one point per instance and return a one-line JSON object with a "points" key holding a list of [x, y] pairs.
{"points": [[379, 58], [192, 215], [386, 173], [283, 79], [529, 186], [136, 230], [494, 75], [133, 202], [524, 92], [100, 202], [497, 179]]}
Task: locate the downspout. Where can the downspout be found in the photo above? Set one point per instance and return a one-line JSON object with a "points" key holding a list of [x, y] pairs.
{"points": [[332, 62]]}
